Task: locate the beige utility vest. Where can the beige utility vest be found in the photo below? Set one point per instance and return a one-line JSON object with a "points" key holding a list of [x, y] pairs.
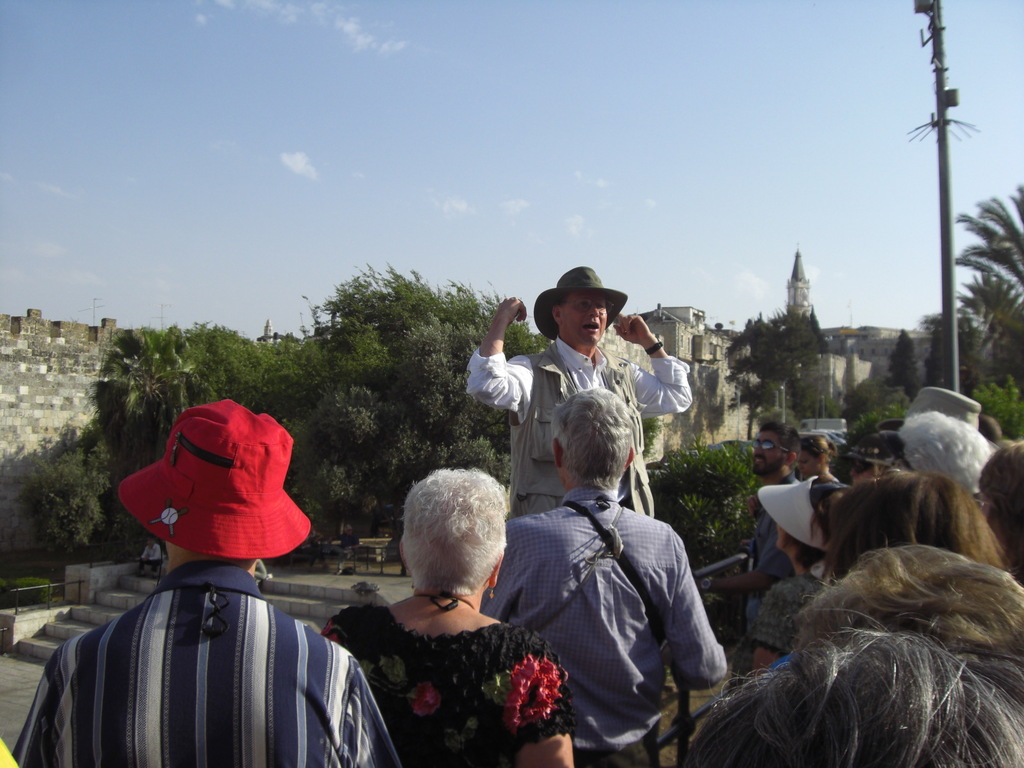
{"points": [[533, 459]]}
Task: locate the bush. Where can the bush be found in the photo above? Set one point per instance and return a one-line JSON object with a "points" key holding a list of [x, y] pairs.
{"points": [[33, 597], [702, 493], [63, 497]]}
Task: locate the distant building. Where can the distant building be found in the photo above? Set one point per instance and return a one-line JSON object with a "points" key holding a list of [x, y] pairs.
{"points": [[875, 345], [798, 288], [269, 336]]}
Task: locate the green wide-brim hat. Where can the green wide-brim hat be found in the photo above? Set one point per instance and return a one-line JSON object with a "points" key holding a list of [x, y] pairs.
{"points": [[578, 279]]}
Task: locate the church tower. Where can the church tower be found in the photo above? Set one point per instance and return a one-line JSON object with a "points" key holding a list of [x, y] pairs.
{"points": [[798, 288]]}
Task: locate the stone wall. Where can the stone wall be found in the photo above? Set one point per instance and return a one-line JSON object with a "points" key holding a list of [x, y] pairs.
{"points": [[46, 371]]}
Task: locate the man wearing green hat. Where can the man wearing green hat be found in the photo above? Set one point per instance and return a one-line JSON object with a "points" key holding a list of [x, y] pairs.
{"points": [[575, 315]]}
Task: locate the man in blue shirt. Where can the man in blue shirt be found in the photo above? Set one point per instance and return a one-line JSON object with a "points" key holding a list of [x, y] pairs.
{"points": [[205, 672], [559, 578]]}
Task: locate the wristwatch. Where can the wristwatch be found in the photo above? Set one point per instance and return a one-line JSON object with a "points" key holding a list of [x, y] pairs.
{"points": [[705, 584]]}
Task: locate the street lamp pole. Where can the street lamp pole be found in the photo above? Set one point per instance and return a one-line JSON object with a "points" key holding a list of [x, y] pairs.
{"points": [[944, 98]]}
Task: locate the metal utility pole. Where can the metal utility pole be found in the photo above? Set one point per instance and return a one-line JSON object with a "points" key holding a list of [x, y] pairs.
{"points": [[944, 98]]}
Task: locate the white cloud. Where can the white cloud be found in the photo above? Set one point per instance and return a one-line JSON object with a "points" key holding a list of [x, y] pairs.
{"points": [[454, 207], [53, 189], [749, 284], [201, 19], [7, 177], [47, 250], [229, 4], [575, 225], [650, 203], [514, 207], [361, 40], [599, 183], [358, 175], [299, 163]]}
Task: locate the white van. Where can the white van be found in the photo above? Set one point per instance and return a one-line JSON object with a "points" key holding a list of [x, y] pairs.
{"points": [[824, 425]]}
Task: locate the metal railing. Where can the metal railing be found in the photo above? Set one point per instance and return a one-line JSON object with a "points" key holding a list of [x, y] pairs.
{"points": [[685, 722], [49, 587]]}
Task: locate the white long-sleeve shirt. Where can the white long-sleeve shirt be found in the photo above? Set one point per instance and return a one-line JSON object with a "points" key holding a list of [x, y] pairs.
{"points": [[507, 384]]}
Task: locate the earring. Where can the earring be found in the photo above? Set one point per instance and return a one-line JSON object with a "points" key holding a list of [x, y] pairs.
{"points": [[492, 593]]}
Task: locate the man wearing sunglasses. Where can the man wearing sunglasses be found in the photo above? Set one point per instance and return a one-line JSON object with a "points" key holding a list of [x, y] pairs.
{"points": [[575, 315], [775, 452]]}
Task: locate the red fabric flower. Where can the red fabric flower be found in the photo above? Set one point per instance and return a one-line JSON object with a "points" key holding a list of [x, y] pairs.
{"points": [[533, 694], [425, 699]]}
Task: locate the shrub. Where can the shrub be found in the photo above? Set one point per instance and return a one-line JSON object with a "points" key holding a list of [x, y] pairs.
{"points": [[33, 597], [702, 493], [63, 497]]}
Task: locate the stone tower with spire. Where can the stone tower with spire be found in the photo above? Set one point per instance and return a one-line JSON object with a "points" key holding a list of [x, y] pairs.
{"points": [[798, 288]]}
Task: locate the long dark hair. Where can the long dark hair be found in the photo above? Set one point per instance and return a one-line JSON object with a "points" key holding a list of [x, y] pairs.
{"points": [[908, 508]]}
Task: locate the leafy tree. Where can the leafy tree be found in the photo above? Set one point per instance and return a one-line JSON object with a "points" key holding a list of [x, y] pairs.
{"points": [[397, 349], [285, 379], [145, 381], [998, 307], [1005, 405], [874, 400], [64, 497], [903, 366], [1001, 250], [996, 297], [969, 341], [768, 355]]}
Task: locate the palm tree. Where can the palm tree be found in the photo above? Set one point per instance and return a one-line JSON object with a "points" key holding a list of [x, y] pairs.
{"points": [[1001, 250], [996, 296], [144, 383]]}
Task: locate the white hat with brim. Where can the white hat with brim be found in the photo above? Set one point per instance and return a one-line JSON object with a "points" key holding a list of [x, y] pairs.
{"points": [[790, 507]]}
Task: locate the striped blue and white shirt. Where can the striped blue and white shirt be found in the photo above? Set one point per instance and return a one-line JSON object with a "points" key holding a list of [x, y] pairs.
{"points": [[204, 672]]}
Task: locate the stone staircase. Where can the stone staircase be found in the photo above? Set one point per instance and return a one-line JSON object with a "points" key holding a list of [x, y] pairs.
{"points": [[310, 598]]}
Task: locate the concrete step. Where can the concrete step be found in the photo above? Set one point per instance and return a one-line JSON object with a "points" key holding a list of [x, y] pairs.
{"points": [[311, 602], [40, 646], [66, 628]]}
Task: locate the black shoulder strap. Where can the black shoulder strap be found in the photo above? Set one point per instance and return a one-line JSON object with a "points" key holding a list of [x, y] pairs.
{"points": [[614, 544]]}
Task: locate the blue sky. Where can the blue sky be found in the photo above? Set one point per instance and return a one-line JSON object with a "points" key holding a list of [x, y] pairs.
{"points": [[217, 161]]}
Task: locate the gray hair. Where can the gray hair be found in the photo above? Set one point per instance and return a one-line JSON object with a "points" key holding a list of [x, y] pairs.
{"points": [[595, 431], [935, 442], [454, 530], [871, 698]]}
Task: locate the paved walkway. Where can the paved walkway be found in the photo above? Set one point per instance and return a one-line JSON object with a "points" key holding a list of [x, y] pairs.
{"points": [[19, 675]]}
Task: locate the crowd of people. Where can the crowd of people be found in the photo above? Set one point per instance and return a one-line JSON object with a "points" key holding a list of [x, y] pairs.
{"points": [[883, 616]]}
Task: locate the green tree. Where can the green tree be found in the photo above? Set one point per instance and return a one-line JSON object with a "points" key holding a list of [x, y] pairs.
{"points": [[397, 350], [874, 400], [1005, 405], [779, 355], [285, 379], [145, 381], [903, 366], [969, 343], [997, 298], [998, 307], [64, 497]]}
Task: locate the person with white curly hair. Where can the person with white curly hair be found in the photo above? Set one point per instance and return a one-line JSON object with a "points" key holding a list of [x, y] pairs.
{"points": [[935, 442]]}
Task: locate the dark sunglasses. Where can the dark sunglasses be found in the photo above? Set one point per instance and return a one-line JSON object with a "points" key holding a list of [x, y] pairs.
{"points": [[812, 445], [765, 445]]}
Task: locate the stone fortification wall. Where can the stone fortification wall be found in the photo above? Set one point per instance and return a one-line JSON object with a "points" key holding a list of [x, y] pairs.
{"points": [[46, 371]]}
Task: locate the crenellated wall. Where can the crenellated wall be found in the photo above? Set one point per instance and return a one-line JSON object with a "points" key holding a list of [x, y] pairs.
{"points": [[47, 368]]}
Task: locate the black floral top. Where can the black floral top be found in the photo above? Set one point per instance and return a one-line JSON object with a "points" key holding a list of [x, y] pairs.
{"points": [[471, 699]]}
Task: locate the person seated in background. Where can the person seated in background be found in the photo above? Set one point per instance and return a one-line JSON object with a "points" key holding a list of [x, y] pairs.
{"points": [[968, 606], [152, 557], [816, 454], [455, 687], [348, 538], [908, 508], [871, 698], [1001, 492], [800, 513]]}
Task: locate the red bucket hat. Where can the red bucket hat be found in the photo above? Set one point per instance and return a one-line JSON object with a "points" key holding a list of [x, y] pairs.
{"points": [[219, 488]]}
